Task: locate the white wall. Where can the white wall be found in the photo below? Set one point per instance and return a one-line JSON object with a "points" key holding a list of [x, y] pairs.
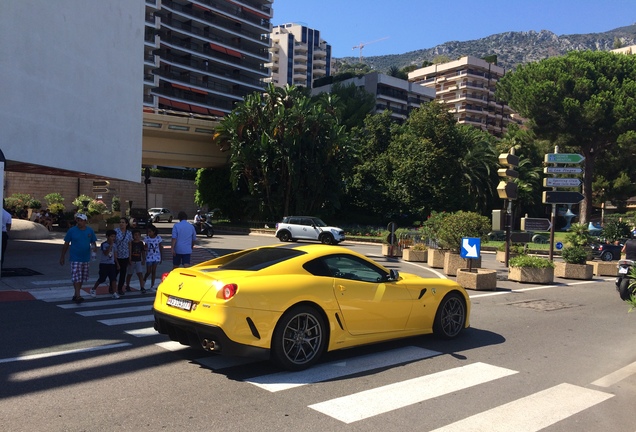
{"points": [[71, 84]]}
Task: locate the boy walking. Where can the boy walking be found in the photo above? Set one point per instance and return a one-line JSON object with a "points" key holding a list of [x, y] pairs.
{"points": [[154, 251], [137, 260], [108, 264]]}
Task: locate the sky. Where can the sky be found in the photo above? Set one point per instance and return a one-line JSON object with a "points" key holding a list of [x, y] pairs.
{"points": [[400, 26]]}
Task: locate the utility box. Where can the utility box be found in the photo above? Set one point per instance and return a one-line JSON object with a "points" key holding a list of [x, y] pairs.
{"points": [[498, 220]]}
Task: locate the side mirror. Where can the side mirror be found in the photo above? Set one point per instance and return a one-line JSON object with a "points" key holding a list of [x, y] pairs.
{"points": [[394, 275]]}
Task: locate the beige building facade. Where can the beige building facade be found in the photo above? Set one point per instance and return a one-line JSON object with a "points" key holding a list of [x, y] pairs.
{"points": [[467, 87], [298, 56]]}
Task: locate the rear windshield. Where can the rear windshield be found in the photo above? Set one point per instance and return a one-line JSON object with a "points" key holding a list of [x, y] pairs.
{"points": [[261, 258]]}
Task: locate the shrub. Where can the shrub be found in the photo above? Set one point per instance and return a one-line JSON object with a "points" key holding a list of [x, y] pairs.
{"points": [[115, 204], [461, 224], [615, 230], [579, 235], [432, 225], [574, 255], [419, 247], [18, 201], [530, 261]]}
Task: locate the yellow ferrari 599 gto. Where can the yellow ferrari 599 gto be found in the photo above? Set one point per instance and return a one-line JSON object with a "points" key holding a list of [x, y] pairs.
{"points": [[290, 303]]}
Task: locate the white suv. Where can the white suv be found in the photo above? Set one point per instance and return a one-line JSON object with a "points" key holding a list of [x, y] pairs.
{"points": [[294, 228]]}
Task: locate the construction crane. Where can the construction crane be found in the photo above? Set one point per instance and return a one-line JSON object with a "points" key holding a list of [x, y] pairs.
{"points": [[362, 45]]}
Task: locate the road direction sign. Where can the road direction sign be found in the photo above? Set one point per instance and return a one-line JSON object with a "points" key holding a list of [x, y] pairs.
{"points": [[564, 158], [562, 197], [561, 182], [471, 247], [562, 170], [535, 224]]}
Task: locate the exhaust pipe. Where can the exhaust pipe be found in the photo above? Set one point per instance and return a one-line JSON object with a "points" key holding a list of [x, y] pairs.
{"points": [[209, 345]]}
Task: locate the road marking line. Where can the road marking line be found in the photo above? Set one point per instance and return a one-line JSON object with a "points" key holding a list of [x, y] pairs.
{"points": [[121, 301], [143, 332], [512, 291], [59, 353], [323, 372], [532, 413], [128, 320], [172, 346], [369, 403], [614, 377], [115, 311]]}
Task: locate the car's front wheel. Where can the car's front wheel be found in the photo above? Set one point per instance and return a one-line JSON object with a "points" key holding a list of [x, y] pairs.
{"points": [[607, 256], [327, 239], [450, 318], [299, 338]]}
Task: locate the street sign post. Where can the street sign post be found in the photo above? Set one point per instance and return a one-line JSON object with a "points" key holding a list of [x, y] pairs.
{"points": [[562, 197], [561, 182], [562, 170], [564, 158], [535, 224]]}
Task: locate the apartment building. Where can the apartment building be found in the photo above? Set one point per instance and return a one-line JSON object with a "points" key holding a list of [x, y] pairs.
{"points": [[298, 56], [204, 56], [391, 93], [467, 87]]}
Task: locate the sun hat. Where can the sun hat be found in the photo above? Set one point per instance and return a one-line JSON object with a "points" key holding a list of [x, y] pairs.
{"points": [[81, 216]]}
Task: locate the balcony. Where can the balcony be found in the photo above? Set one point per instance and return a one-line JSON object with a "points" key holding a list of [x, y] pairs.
{"points": [[208, 19]]}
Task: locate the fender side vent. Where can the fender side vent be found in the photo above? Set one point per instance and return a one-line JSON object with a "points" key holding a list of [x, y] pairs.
{"points": [[252, 326], [339, 322]]}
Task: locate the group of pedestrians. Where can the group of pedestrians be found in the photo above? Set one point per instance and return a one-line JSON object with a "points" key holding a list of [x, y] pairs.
{"points": [[123, 254]]}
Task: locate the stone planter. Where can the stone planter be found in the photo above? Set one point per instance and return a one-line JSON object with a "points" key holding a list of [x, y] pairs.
{"points": [[501, 256], [477, 279], [391, 251], [604, 268], [453, 262], [573, 271], [415, 255], [531, 275], [436, 258]]}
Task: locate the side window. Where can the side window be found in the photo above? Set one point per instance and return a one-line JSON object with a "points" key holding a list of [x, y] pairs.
{"points": [[294, 221], [353, 268], [307, 222], [318, 267]]}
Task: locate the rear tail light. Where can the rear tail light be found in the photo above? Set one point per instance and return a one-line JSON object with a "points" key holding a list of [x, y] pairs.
{"points": [[164, 276], [228, 291]]}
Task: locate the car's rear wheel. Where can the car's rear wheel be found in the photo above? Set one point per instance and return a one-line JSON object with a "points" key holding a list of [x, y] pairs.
{"points": [[327, 239], [284, 236], [299, 338], [607, 256], [450, 318], [170, 219]]}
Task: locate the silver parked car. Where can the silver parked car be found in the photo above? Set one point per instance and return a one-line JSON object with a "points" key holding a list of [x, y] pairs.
{"points": [[158, 214]]}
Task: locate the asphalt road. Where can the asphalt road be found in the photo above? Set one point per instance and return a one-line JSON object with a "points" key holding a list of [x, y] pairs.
{"points": [[554, 358]]}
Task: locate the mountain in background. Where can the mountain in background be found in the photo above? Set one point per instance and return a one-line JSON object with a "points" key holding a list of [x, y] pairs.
{"points": [[511, 48]]}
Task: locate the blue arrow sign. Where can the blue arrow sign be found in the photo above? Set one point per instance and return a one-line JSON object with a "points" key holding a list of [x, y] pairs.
{"points": [[471, 247], [559, 246]]}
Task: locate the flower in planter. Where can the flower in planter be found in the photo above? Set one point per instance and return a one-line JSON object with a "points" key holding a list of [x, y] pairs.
{"points": [[530, 261], [419, 247]]}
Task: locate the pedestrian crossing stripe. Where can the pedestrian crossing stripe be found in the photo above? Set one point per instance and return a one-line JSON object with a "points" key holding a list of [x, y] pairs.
{"points": [[533, 412], [328, 371], [379, 400]]}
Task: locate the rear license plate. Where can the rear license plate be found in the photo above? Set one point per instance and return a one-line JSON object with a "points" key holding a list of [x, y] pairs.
{"points": [[622, 270], [179, 303]]}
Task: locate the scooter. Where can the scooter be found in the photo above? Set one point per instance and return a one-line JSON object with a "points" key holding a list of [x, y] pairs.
{"points": [[204, 228], [624, 279]]}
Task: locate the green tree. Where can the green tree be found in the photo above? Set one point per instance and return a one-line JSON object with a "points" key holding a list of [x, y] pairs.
{"points": [[214, 190], [583, 102], [354, 103], [288, 149]]}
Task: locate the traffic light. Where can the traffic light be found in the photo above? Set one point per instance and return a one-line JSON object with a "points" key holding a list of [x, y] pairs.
{"points": [[507, 189], [147, 175]]}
